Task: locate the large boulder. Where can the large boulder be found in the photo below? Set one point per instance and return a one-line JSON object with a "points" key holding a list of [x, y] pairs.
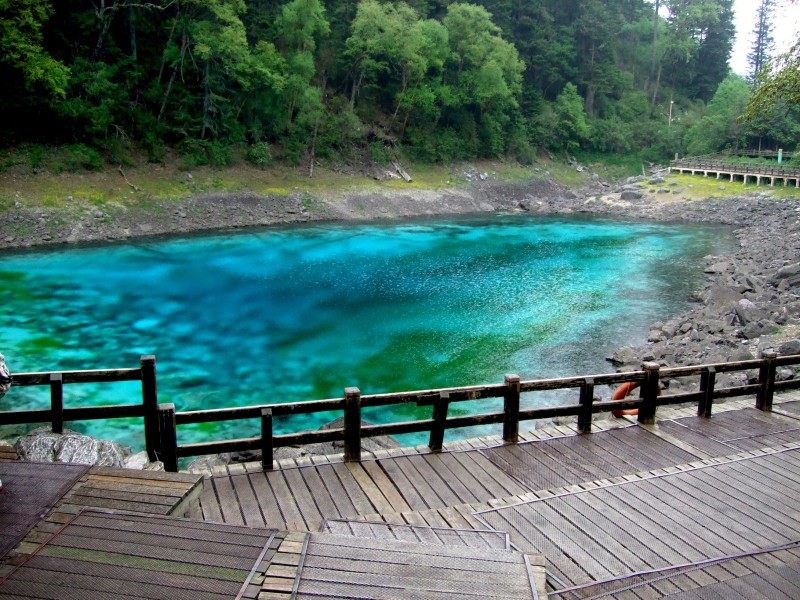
{"points": [[789, 274], [748, 312], [42, 445], [789, 348]]}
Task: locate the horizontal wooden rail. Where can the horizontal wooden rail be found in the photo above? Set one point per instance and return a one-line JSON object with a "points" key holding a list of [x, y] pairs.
{"points": [[351, 434], [162, 421], [56, 415], [94, 376]]}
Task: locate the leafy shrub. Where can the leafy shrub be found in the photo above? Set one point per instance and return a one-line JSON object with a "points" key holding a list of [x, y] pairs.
{"points": [[259, 155], [193, 153], [218, 154], [78, 157]]}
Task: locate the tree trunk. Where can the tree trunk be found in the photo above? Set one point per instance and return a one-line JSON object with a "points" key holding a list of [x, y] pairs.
{"points": [[105, 24], [169, 41], [655, 87], [132, 25], [356, 89], [184, 45], [206, 99], [654, 58]]}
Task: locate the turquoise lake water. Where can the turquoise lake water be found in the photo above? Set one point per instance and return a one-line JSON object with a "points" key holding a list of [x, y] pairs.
{"points": [[300, 313]]}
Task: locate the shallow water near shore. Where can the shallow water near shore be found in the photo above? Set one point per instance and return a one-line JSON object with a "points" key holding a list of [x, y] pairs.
{"points": [[299, 313]]}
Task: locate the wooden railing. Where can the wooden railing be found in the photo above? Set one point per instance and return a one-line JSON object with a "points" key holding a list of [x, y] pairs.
{"points": [[759, 153], [57, 414], [739, 168], [162, 420]]}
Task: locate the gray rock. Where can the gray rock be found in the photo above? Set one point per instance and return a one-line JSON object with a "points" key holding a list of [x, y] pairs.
{"points": [[740, 355], [208, 462], [625, 356], [656, 180], [5, 377], [784, 374], [790, 347], [722, 266], [747, 312], [631, 195], [789, 273], [140, 462], [42, 445], [757, 329]]}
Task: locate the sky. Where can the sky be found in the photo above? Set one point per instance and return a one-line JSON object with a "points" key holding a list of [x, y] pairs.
{"points": [[786, 27]]}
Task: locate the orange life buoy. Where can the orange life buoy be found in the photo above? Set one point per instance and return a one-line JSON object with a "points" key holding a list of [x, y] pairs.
{"points": [[622, 391]]}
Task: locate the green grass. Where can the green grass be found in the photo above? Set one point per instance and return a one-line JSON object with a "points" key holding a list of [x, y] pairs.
{"points": [[696, 187], [612, 167]]}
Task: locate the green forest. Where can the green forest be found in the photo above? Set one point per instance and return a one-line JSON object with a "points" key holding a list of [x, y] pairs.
{"points": [[431, 80]]}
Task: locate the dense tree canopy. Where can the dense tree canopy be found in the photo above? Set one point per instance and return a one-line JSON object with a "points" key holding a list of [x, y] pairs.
{"points": [[434, 79]]}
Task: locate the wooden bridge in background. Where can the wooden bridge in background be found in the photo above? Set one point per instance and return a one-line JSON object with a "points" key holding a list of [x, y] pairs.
{"points": [[732, 171]]}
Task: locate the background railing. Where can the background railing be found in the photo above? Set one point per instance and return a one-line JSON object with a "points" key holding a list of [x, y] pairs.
{"points": [[737, 168], [162, 420]]}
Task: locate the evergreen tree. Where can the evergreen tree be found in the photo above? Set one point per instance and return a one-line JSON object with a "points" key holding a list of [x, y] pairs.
{"points": [[763, 43]]}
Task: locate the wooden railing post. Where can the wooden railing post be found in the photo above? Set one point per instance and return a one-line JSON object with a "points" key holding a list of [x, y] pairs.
{"points": [[440, 420], [586, 401], [169, 437], [267, 456], [649, 393], [707, 381], [57, 402], [352, 424], [766, 378], [150, 405], [511, 409]]}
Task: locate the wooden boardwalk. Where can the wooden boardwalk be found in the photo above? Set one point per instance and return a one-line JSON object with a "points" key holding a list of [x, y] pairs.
{"points": [[687, 508]]}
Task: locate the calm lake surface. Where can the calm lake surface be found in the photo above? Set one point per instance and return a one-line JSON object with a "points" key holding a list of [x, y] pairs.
{"points": [[300, 313]]}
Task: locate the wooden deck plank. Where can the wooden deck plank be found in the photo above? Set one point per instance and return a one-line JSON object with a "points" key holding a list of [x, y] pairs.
{"points": [[449, 473], [171, 528], [765, 523], [266, 500], [250, 507], [122, 574], [342, 503], [712, 516], [355, 494], [130, 549], [287, 506], [412, 497], [696, 546], [228, 502], [647, 540], [497, 481], [321, 493], [758, 484], [110, 587], [379, 502], [386, 486], [303, 499], [209, 503], [752, 494], [422, 487]]}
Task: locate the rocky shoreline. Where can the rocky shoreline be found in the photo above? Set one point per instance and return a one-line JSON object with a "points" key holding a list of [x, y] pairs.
{"points": [[750, 302]]}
